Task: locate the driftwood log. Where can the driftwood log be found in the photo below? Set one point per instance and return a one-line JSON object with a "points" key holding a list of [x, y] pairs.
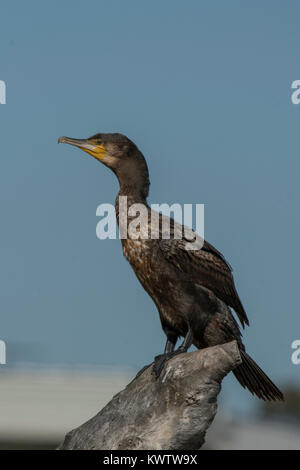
{"points": [[169, 413]]}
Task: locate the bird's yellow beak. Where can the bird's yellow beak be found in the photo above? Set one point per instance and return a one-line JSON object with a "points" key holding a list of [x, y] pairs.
{"points": [[91, 146]]}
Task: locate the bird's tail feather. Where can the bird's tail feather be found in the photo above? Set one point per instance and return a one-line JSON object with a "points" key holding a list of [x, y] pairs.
{"points": [[250, 376]]}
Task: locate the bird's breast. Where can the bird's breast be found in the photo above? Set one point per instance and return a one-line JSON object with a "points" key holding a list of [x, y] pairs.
{"points": [[148, 266], [138, 253], [159, 281], [151, 270]]}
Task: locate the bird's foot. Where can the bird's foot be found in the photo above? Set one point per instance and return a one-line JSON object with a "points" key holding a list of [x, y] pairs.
{"points": [[160, 361], [143, 370]]}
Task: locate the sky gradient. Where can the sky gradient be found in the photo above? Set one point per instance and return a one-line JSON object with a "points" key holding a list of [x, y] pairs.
{"points": [[204, 89]]}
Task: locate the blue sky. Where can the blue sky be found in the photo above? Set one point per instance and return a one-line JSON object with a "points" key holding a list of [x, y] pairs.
{"points": [[204, 90]]}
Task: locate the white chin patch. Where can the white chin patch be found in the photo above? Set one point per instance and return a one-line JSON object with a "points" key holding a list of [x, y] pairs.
{"points": [[108, 160]]}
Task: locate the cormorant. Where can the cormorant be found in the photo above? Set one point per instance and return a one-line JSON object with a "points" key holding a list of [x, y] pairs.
{"points": [[192, 289]]}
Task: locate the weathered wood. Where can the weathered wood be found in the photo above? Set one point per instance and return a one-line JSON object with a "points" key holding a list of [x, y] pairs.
{"points": [[172, 412]]}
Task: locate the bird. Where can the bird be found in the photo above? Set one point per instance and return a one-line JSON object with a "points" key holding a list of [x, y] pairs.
{"points": [[192, 289]]}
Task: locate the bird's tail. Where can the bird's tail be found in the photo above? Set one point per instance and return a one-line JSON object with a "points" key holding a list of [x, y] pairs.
{"points": [[250, 376]]}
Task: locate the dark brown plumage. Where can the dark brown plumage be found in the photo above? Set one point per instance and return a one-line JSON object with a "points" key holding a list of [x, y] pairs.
{"points": [[192, 289]]}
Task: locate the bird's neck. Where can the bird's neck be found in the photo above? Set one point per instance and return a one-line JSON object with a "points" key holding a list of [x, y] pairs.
{"points": [[133, 177], [134, 184], [126, 197], [131, 194], [135, 193]]}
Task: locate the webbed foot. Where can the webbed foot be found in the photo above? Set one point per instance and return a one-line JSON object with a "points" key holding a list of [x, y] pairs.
{"points": [[160, 361]]}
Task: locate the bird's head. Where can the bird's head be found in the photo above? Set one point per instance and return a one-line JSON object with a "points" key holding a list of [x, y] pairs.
{"points": [[109, 149], [118, 153]]}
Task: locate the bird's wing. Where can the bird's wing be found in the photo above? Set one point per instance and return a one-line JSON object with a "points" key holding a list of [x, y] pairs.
{"points": [[207, 267]]}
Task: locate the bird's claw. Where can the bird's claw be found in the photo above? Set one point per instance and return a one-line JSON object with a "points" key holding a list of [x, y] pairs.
{"points": [[161, 359]]}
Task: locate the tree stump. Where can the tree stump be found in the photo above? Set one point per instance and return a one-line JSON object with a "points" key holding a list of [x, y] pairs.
{"points": [[172, 412]]}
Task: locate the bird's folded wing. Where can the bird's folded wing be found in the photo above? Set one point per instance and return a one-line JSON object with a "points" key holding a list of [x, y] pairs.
{"points": [[207, 267]]}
